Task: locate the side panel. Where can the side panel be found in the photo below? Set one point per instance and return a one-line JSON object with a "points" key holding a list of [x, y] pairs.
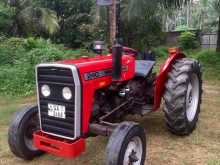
{"points": [[161, 79], [87, 105]]}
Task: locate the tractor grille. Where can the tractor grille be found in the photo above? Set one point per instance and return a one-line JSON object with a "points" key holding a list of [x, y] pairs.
{"points": [[56, 78]]}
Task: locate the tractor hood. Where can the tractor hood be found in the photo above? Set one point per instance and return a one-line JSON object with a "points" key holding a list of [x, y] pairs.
{"points": [[101, 67]]}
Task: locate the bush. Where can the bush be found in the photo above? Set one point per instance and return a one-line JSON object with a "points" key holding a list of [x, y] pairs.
{"points": [[11, 50], [160, 52], [183, 28], [188, 40], [209, 57], [18, 58], [210, 61]]}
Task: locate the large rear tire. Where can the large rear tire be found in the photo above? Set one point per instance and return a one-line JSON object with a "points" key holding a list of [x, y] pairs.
{"points": [[183, 96], [20, 133], [127, 145]]}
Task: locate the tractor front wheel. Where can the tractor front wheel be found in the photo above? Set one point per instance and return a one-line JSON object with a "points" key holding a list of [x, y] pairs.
{"points": [[20, 133], [183, 96], [127, 145]]}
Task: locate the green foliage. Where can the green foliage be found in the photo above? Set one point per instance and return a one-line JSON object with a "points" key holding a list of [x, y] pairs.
{"points": [[183, 28], [160, 52], [209, 57], [216, 6], [76, 23], [26, 17], [75, 20], [6, 17], [142, 23], [142, 30], [196, 14], [188, 40], [11, 50], [210, 61], [144, 36], [36, 21], [18, 58]]}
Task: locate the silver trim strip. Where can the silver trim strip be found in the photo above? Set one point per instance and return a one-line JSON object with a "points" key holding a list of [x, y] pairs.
{"points": [[77, 98]]}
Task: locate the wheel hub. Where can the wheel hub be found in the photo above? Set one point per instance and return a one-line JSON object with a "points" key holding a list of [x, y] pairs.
{"points": [[133, 152], [32, 126], [192, 98], [133, 157]]}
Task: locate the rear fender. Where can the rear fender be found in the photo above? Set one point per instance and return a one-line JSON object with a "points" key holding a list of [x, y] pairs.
{"points": [[174, 54]]}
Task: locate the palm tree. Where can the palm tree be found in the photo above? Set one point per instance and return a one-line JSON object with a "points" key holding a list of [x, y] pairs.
{"points": [[138, 9], [31, 19]]}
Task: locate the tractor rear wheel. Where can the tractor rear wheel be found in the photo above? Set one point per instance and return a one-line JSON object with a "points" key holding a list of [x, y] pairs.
{"points": [[20, 133], [183, 96], [127, 145]]}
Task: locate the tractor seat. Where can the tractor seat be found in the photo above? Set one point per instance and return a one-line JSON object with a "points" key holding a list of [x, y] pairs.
{"points": [[143, 67]]}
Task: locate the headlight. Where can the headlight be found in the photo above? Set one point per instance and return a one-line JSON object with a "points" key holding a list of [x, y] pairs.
{"points": [[45, 90], [98, 47], [67, 93]]}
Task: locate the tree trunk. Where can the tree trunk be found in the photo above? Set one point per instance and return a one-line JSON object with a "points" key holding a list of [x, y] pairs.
{"points": [[218, 41], [112, 22]]}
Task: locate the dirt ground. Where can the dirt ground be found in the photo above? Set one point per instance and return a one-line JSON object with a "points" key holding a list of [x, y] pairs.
{"points": [[200, 148]]}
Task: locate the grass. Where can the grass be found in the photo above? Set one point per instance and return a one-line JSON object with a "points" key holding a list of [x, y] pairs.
{"points": [[214, 162], [200, 148]]}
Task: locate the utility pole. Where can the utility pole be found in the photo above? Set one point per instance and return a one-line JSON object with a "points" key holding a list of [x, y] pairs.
{"points": [[114, 11], [112, 21]]}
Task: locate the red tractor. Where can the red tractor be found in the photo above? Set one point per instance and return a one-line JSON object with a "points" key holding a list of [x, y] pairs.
{"points": [[80, 98]]}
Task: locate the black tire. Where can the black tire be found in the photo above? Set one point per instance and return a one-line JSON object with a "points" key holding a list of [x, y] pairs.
{"points": [[23, 124], [119, 141], [178, 97]]}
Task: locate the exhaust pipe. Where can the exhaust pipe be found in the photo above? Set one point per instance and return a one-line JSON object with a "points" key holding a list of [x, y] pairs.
{"points": [[117, 62]]}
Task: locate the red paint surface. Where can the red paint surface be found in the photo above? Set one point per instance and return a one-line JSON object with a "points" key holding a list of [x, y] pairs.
{"points": [[161, 79], [98, 63], [58, 146], [71, 149], [93, 64]]}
